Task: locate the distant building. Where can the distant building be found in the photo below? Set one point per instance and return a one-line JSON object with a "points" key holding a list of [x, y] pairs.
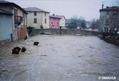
{"points": [[54, 21], [88, 24], [68, 21], [37, 17], [62, 21], [12, 21], [109, 18]]}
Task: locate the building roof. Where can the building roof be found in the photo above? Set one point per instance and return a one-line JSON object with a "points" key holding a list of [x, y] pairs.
{"points": [[12, 4], [5, 12], [113, 8], [35, 9], [56, 16], [60, 16], [51, 16], [5, 2]]}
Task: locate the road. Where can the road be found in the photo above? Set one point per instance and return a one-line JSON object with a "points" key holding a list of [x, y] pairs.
{"points": [[60, 58]]}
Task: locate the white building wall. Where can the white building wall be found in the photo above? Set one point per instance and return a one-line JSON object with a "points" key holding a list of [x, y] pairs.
{"points": [[45, 25], [40, 20], [30, 20], [62, 22]]}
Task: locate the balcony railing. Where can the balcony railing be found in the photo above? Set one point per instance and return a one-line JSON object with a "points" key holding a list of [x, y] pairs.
{"points": [[18, 19]]}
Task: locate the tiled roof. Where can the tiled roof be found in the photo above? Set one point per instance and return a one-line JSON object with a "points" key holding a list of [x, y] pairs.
{"points": [[5, 12], [34, 9], [113, 8], [8, 3], [60, 16], [53, 16], [5, 2]]}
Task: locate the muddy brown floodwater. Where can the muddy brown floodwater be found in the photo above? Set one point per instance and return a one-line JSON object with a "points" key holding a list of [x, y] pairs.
{"points": [[60, 58]]}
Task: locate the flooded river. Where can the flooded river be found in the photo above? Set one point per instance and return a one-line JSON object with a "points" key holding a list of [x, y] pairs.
{"points": [[60, 58]]}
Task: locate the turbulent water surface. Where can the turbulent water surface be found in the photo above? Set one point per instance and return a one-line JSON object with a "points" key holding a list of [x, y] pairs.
{"points": [[60, 58]]}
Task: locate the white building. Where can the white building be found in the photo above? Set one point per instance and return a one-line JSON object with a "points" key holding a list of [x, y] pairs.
{"points": [[62, 21], [37, 17]]}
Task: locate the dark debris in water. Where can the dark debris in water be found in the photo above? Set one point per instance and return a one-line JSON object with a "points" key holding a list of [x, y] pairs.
{"points": [[2, 71], [80, 56]]}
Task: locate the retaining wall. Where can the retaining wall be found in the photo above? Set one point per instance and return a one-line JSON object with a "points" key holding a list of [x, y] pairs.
{"points": [[66, 31]]}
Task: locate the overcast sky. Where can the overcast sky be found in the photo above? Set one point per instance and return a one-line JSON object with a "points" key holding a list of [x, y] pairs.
{"points": [[88, 9]]}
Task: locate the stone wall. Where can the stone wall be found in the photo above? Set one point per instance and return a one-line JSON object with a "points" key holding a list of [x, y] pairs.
{"points": [[23, 33], [66, 32]]}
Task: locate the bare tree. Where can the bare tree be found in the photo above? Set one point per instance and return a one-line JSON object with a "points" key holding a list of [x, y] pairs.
{"points": [[95, 24], [75, 22]]}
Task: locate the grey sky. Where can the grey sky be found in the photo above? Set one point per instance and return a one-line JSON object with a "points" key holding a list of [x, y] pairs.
{"points": [[88, 9]]}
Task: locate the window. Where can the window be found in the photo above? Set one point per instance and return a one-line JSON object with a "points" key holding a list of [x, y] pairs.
{"points": [[35, 13], [107, 22], [107, 13], [57, 24], [15, 12], [35, 20], [53, 26], [45, 21], [51, 23]]}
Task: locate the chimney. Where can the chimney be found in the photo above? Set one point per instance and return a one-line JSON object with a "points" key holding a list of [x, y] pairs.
{"points": [[102, 6]]}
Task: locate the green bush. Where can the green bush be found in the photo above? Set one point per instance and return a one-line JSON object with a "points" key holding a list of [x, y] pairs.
{"points": [[31, 31]]}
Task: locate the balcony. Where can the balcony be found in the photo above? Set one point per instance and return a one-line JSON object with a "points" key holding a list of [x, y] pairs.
{"points": [[18, 19]]}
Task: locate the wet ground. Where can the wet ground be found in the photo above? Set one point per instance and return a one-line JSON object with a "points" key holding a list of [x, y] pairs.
{"points": [[60, 58]]}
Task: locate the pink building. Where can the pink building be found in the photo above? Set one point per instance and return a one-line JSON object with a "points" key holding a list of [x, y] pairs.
{"points": [[55, 21]]}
